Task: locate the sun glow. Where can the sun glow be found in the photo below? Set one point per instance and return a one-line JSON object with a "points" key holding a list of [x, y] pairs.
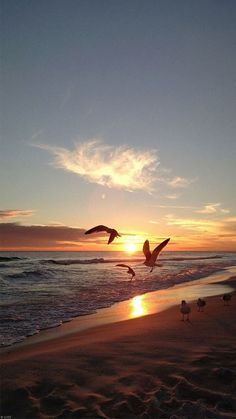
{"points": [[130, 247]]}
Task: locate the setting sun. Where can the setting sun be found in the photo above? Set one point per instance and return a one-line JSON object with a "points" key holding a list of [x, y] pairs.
{"points": [[130, 247]]}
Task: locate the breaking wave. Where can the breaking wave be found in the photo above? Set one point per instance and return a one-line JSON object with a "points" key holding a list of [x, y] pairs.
{"points": [[9, 259], [118, 260]]}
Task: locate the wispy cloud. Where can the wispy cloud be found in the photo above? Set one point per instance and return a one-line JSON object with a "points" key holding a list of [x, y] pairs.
{"points": [[172, 196], [212, 208], [179, 182], [176, 206], [208, 228], [194, 224], [13, 213], [115, 167], [36, 134], [119, 167]]}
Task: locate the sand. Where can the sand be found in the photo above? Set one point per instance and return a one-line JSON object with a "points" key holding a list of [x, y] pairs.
{"points": [[155, 366]]}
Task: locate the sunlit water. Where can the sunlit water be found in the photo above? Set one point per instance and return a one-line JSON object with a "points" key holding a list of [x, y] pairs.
{"points": [[40, 290]]}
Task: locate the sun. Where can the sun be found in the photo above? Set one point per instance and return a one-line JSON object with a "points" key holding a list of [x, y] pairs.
{"points": [[130, 247]]}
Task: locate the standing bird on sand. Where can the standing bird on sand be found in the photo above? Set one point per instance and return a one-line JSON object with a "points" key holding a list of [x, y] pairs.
{"points": [[130, 270], [226, 298], [185, 309], [151, 257], [113, 233], [201, 303]]}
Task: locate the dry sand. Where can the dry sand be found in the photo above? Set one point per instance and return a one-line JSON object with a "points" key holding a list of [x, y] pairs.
{"points": [[155, 366]]}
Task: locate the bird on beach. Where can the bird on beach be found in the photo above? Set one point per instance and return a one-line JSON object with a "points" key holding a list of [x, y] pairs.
{"points": [[130, 270], [226, 298], [185, 309], [151, 257], [113, 233], [201, 303]]}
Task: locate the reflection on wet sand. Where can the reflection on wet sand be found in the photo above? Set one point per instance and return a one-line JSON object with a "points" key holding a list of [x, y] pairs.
{"points": [[138, 306]]}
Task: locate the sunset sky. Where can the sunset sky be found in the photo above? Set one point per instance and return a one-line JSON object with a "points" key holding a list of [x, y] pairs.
{"points": [[120, 113]]}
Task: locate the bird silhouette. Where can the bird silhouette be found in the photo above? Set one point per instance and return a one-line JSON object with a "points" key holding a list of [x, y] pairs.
{"points": [[185, 309], [130, 270], [200, 303], [151, 257], [113, 233], [226, 298]]}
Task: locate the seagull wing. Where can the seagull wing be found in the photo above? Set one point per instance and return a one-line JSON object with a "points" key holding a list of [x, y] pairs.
{"points": [[157, 250], [146, 250], [131, 271], [122, 265], [97, 229], [113, 235]]}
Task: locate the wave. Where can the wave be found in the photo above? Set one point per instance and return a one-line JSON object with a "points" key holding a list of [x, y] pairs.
{"points": [[28, 274], [74, 261], [193, 258], [119, 260], [9, 259]]}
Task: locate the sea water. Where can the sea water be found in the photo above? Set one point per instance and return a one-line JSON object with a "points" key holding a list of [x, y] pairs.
{"points": [[40, 290]]}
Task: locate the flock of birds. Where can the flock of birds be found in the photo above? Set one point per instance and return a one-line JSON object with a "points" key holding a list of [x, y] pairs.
{"points": [[150, 261], [151, 257], [185, 309]]}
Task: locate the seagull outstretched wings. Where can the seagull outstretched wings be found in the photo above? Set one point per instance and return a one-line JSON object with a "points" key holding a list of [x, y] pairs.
{"points": [[113, 233], [151, 257]]}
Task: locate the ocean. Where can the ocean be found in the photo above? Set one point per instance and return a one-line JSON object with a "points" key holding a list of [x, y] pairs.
{"points": [[41, 290]]}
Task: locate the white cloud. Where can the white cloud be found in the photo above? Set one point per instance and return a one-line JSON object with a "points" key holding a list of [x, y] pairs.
{"points": [[119, 167], [225, 210], [212, 208], [209, 208], [179, 182], [172, 196]]}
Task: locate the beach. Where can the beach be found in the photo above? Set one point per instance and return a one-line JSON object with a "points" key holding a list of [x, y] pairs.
{"points": [[154, 366]]}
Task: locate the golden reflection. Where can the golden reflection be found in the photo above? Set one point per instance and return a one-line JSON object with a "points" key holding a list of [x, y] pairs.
{"points": [[138, 306]]}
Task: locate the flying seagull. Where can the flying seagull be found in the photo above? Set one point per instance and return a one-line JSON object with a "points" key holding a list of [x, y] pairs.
{"points": [[152, 257], [130, 270], [185, 309], [113, 233]]}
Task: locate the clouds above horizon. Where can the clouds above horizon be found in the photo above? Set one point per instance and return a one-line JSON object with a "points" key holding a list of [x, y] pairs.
{"points": [[216, 227], [121, 167], [16, 235], [13, 213]]}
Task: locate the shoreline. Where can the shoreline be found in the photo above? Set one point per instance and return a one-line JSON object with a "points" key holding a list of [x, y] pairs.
{"points": [[142, 305]]}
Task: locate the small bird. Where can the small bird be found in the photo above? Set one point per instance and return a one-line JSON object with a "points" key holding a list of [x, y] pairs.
{"points": [[226, 298], [130, 270], [185, 309], [152, 257], [201, 303], [113, 233]]}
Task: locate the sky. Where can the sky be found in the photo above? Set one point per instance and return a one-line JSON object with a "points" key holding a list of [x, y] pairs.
{"points": [[121, 113]]}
